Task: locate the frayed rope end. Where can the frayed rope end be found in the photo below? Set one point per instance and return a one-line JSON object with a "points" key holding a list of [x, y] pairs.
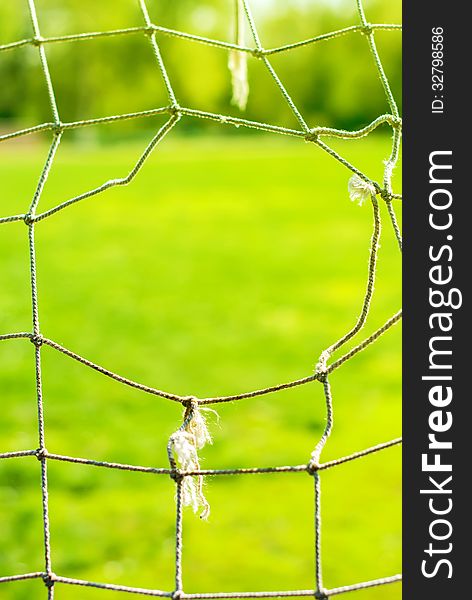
{"points": [[237, 64], [184, 444], [237, 61], [360, 190]]}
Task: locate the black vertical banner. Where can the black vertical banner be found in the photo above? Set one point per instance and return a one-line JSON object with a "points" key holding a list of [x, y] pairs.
{"points": [[437, 323]]}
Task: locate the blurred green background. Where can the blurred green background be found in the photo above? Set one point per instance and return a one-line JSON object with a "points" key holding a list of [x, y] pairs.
{"points": [[230, 262]]}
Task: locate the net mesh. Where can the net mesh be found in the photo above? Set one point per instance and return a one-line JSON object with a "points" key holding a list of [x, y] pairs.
{"points": [[366, 188]]}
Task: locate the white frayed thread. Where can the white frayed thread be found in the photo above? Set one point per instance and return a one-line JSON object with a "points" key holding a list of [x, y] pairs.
{"points": [[237, 63], [321, 367], [183, 448], [360, 190]]}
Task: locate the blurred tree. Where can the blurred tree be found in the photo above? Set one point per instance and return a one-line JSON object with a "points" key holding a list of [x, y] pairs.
{"points": [[333, 83]]}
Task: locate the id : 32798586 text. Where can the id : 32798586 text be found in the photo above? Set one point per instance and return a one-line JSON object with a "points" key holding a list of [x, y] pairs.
{"points": [[437, 70]]}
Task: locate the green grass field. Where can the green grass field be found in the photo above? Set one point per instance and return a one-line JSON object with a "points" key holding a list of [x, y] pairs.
{"points": [[226, 266]]}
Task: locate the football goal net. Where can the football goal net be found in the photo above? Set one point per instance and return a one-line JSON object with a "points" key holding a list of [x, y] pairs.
{"points": [[185, 444]]}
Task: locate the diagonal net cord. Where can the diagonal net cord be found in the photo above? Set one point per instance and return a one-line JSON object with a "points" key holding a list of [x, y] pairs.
{"points": [[175, 112]]}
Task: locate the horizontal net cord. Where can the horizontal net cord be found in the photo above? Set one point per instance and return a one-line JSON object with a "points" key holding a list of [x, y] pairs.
{"points": [[16, 336], [100, 463], [392, 120], [364, 585], [53, 578], [291, 593], [64, 126], [18, 453], [44, 454], [359, 454], [335, 34], [11, 578], [111, 586], [12, 218], [26, 131], [204, 401], [77, 37]]}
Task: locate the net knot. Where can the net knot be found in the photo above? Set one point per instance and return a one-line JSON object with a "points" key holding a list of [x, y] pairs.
{"points": [[386, 195], [37, 339], [175, 110], [367, 29], [176, 475], [57, 128], [312, 136], [149, 30], [37, 40], [190, 402], [258, 52], [321, 369], [177, 595], [396, 122], [41, 453], [28, 219], [312, 467], [49, 579], [321, 594]]}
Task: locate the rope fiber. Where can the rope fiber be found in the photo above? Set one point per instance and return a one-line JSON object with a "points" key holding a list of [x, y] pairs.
{"points": [[238, 54]]}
